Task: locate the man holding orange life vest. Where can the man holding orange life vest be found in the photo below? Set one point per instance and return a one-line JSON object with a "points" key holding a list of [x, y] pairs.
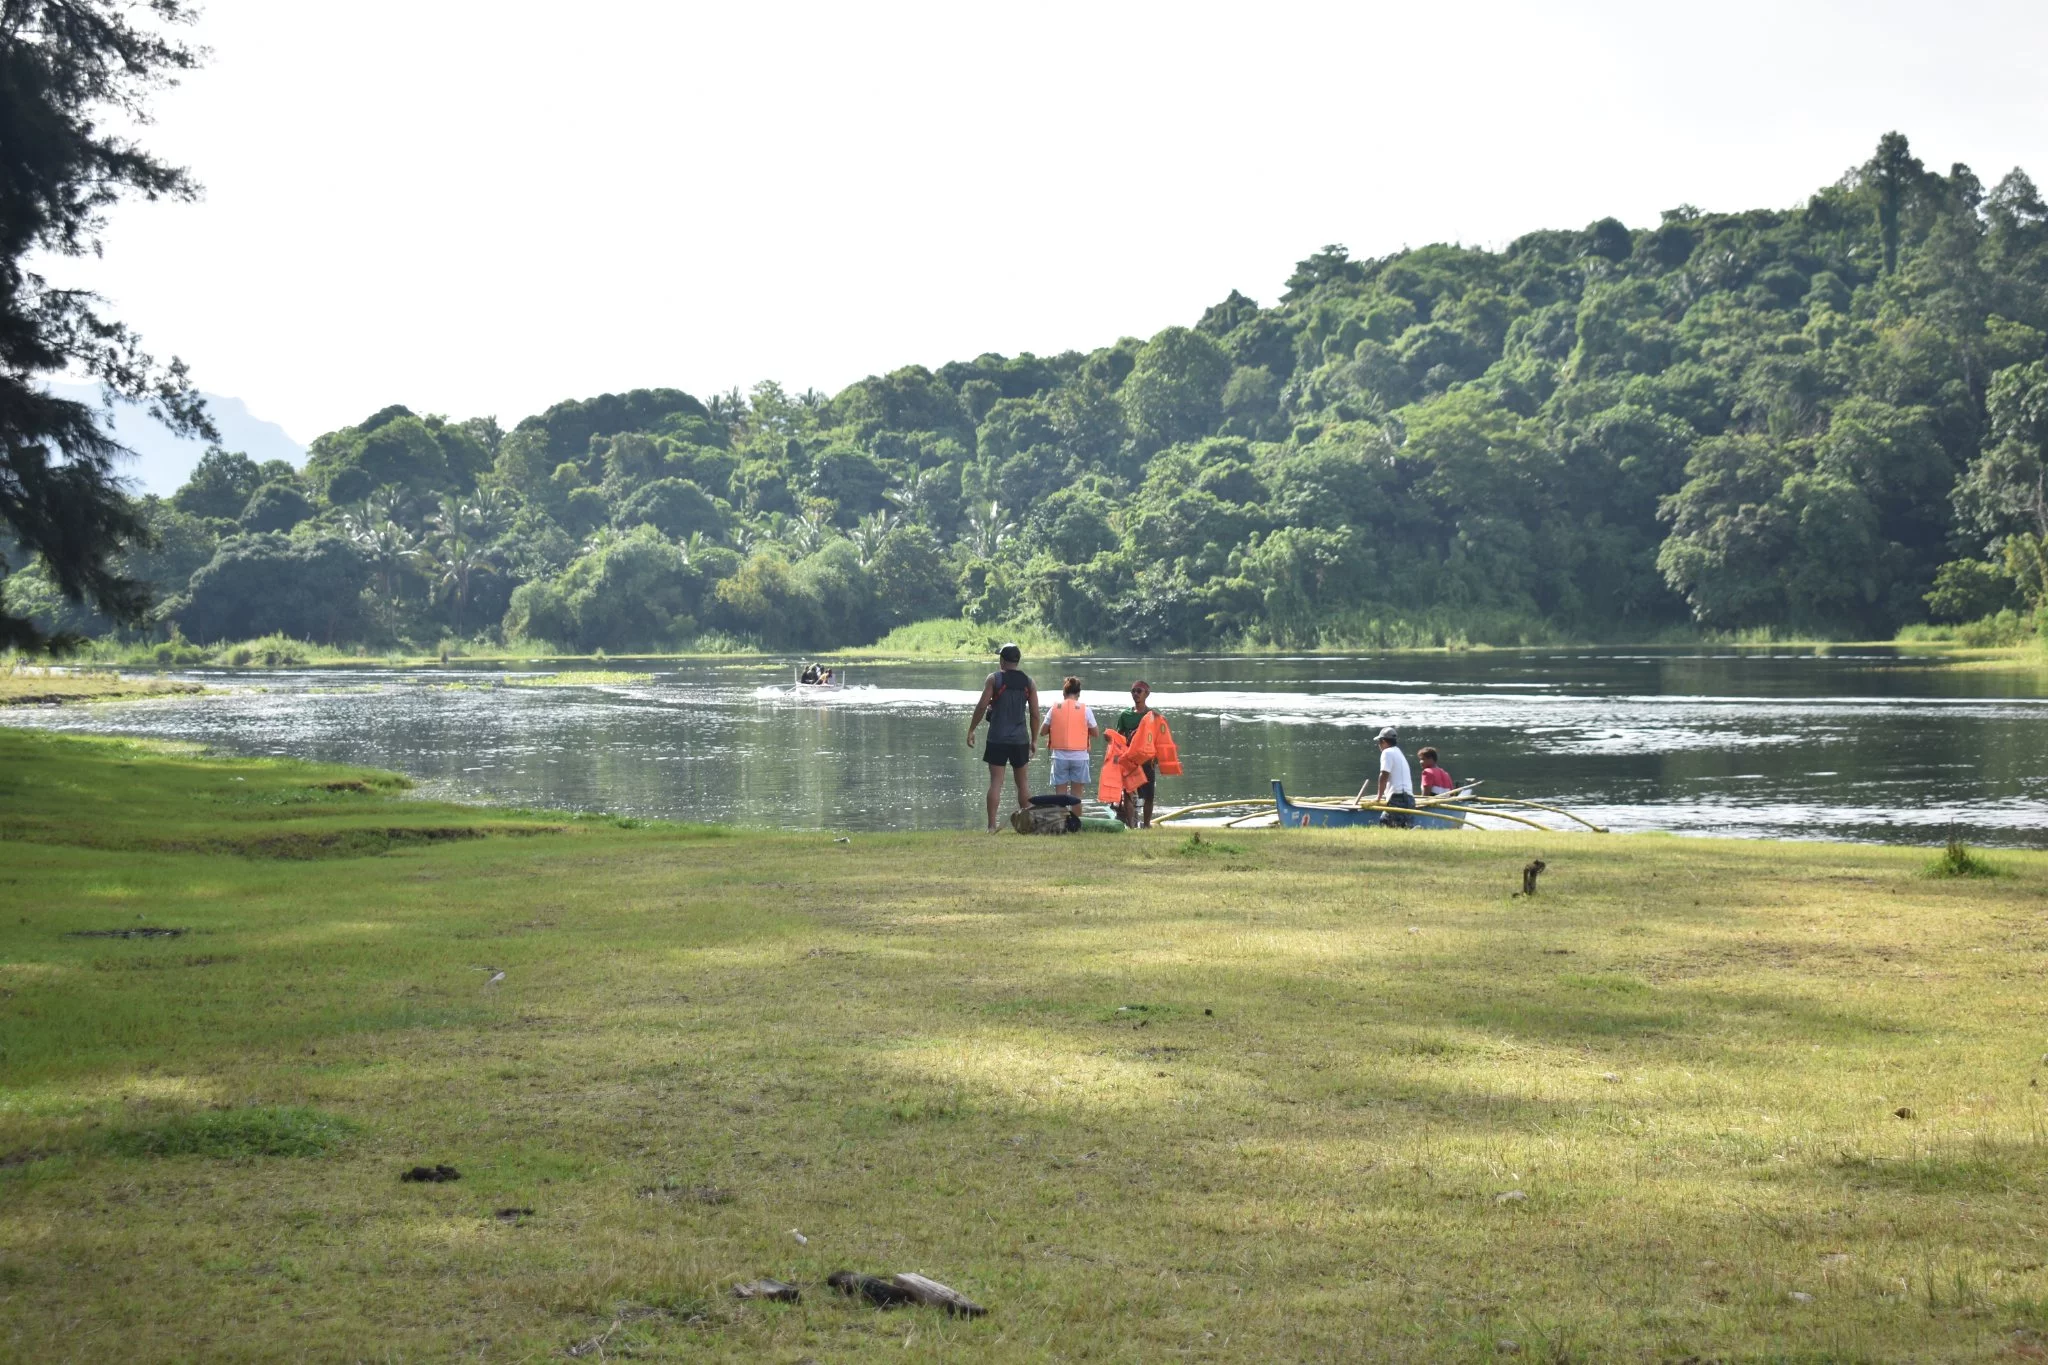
{"points": [[1071, 727], [1141, 747]]}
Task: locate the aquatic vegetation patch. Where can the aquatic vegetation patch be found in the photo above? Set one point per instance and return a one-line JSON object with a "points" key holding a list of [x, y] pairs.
{"points": [[586, 677]]}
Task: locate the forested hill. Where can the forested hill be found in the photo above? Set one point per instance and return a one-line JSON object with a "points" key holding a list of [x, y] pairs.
{"points": [[1829, 418]]}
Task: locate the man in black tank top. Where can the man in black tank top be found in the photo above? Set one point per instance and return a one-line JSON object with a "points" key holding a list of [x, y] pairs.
{"points": [[1011, 704]]}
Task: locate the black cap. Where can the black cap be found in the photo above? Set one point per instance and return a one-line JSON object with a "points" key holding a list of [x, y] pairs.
{"points": [[1009, 654]]}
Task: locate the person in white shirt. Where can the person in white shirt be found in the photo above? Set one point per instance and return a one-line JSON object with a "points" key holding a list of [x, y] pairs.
{"points": [[1397, 786], [1072, 728]]}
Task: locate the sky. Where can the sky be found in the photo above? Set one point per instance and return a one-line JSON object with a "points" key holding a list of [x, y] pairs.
{"points": [[485, 206]]}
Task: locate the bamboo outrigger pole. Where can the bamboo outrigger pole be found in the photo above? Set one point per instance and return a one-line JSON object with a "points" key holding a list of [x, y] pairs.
{"points": [[1538, 805]]}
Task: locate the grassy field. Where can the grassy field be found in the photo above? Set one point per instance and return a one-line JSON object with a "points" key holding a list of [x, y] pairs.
{"points": [[1277, 1096]]}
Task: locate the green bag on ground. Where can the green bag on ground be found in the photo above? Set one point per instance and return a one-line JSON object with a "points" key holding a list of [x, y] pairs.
{"points": [[1101, 824]]}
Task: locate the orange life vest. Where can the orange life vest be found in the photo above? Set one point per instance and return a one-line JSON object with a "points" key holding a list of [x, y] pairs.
{"points": [[1123, 767], [1164, 751], [1070, 727], [1110, 790]]}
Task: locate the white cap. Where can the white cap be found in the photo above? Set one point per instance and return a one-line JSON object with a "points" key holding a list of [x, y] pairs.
{"points": [[1389, 735]]}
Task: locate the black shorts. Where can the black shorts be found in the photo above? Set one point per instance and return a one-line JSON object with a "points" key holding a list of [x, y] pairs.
{"points": [[1394, 820], [1007, 755]]}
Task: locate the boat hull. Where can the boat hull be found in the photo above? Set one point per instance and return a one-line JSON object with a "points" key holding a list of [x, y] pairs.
{"points": [[1344, 817]]}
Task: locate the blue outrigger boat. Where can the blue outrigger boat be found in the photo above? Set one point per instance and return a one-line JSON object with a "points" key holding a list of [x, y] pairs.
{"points": [[1293, 816]]}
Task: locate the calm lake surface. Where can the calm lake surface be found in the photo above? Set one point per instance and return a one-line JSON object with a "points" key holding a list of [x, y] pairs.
{"points": [[1863, 745]]}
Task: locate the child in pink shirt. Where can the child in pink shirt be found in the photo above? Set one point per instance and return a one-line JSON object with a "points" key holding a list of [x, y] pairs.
{"points": [[1435, 781]]}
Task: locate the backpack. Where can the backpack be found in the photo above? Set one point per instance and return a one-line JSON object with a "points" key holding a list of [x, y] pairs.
{"points": [[1041, 820]]}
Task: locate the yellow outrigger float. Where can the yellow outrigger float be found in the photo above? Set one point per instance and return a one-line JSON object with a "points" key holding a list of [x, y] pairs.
{"points": [[1454, 810]]}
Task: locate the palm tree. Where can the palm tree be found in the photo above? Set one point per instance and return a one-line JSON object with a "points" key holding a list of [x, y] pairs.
{"points": [[453, 561], [388, 547], [867, 537], [805, 533], [481, 516], [987, 531], [917, 495], [729, 410]]}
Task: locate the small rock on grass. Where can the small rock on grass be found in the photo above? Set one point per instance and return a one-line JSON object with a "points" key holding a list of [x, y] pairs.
{"points": [[1798, 1297], [1511, 1196], [774, 1290], [1508, 1347], [512, 1215], [1904, 1111], [432, 1175]]}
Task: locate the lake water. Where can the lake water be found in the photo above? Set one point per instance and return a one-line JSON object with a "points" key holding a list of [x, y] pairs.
{"points": [[1861, 745]]}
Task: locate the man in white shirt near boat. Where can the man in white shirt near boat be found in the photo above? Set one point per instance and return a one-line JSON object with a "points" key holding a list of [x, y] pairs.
{"points": [[1397, 784]]}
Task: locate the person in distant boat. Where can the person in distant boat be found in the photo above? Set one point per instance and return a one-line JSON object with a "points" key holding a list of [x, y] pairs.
{"points": [[825, 676], [1435, 781], [809, 675], [1397, 786], [1072, 729], [1006, 697]]}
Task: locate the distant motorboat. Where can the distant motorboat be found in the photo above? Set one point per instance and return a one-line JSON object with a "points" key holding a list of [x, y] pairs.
{"points": [[834, 683]]}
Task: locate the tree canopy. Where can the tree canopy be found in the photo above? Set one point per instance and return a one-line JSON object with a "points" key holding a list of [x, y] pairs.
{"points": [[1827, 418], [69, 68]]}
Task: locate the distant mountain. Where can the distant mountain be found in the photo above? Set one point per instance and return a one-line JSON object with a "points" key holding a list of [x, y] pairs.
{"points": [[163, 462]]}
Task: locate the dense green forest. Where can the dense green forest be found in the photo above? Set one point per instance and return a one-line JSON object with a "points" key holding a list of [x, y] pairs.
{"points": [[1830, 419]]}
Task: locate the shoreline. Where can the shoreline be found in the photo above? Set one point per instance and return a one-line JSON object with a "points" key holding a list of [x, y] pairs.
{"points": [[1938, 653]]}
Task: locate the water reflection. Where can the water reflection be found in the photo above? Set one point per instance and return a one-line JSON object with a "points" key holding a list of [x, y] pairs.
{"points": [[1861, 745]]}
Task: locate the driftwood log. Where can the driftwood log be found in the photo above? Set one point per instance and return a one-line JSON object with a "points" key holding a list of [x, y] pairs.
{"points": [[898, 1290]]}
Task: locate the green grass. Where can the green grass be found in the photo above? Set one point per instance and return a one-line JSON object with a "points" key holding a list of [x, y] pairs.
{"points": [[960, 639], [289, 1131], [1268, 1100], [586, 677]]}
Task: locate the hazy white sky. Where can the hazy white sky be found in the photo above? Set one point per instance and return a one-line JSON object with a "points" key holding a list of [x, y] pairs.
{"points": [[483, 206]]}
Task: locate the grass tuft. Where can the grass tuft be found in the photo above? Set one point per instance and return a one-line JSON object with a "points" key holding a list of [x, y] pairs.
{"points": [[1195, 846], [288, 1131], [1957, 860]]}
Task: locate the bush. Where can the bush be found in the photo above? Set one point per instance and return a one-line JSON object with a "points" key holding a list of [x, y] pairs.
{"points": [[2001, 629], [1958, 861], [1970, 590]]}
